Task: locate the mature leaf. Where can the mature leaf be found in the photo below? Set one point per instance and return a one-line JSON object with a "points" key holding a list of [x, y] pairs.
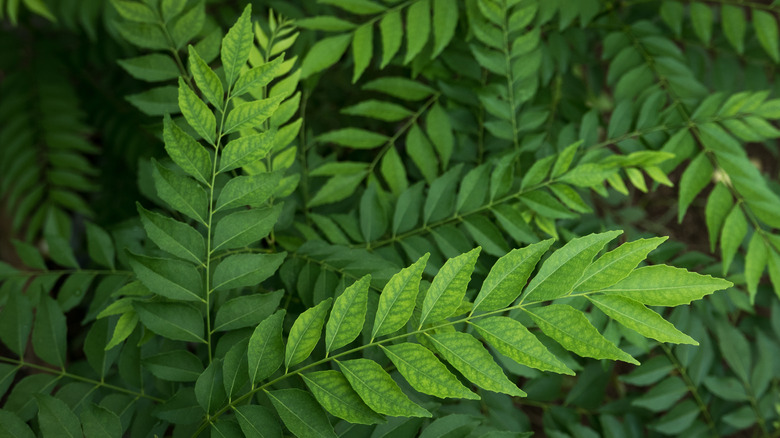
{"points": [[251, 114], [246, 150], [354, 138], [257, 422], [198, 115], [177, 321], [15, 323], [467, 355], [570, 328], [325, 53], [241, 270], [181, 193], [418, 28], [49, 335], [512, 339], [305, 333], [56, 418], [755, 262], [258, 77], [266, 349], [209, 390], [425, 373], [244, 227], [247, 310], [12, 426], [332, 390], [398, 299], [174, 366], [765, 25], [508, 276], [236, 45], [445, 19], [378, 390], [695, 178], [735, 229], [348, 315], [170, 278], [362, 48], [186, 152], [100, 246], [616, 264], [448, 287], [301, 413], [639, 318], [662, 285], [175, 237], [252, 190], [207, 81], [391, 29], [99, 422]]}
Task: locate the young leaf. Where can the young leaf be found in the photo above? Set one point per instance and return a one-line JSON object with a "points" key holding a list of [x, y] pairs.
{"points": [[180, 322], [241, 270], [448, 287], [425, 373], [49, 336], [236, 45], [570, 328], [266, 349], [639, 318], [56, 418], [347, 316], [378, 390], [662, 285], [332, 390], [244, 227], [305, 333], [207, 81], [467, 355], [198, 115], [512, 339], [170, 278], [246, 150], [172, 236], [301, 413], [616, 264], [398, 298], [560, 272], [246, 310]]}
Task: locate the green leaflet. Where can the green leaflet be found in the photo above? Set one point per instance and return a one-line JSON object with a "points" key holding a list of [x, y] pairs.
{"points": [[207, 81], [362, 49], [445, 19], [439, 128], [246, 150], [180, 322], [639, 318], [56, 418], [301, 413], [236, 45], [616, 264], [15, 323], [174, 366], [198, 115], [170, 278], [124, 328], [100, 246], [209, 390], [332, 390], [12, 426], [662, 285], [512, 339], [258, 77], [325, 53], [391, 29], [448, 287], [347, 316], [560, 272], [240, 270], [180, 192], [246, 310], [245, 227], [172, 236], [755, 262], [305, 333], [735, 229], [507, 277], [418, 28], [354, 138], [235, 368], [398, 299], [378, 390], [49, 335], [765, 25], [425, 373], [257, 422], [467, 355], [253, 190], [695, 178], [97, 421], [570, 328], [250, 114], [266, 348]]}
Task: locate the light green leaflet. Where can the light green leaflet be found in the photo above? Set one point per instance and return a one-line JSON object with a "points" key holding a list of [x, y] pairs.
{"points": [[186, 152], [266, 347], [662, 285], [169, 278], [570, 328], [197, 113], [508, 276], [172, 236], [512, 339], [639, 318], [467, 355], [301, 413], [332, 390], [206, 79], [425, 373], [617, 264], [258, 76], [246, 150], [398, 298], [560, 272], [251, 114], [305, 333], [378, 390], [236, 45], [180, 192], [251, 190], [449, 287], [348, 315]]}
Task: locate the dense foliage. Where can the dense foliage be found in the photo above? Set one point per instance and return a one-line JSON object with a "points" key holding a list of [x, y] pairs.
{"points": [[388, 218]]}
